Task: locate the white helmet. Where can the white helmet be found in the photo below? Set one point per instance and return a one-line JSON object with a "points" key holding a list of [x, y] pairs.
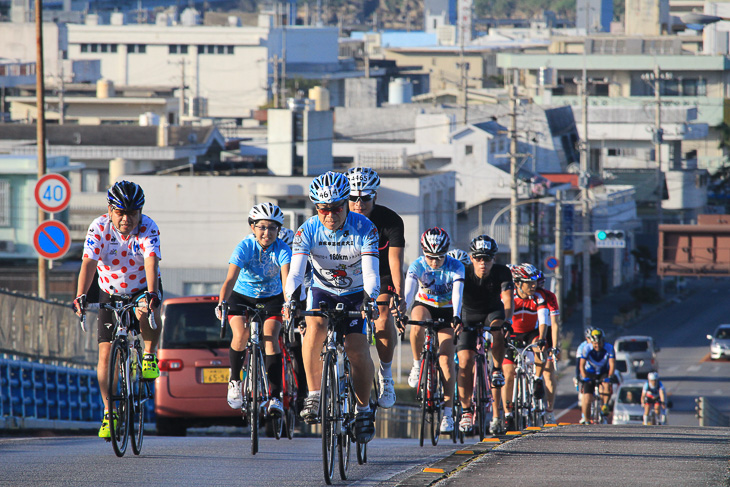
{"points": [[287, 235], [266, 211], [363, 179], [459, 255], [653, 376]]}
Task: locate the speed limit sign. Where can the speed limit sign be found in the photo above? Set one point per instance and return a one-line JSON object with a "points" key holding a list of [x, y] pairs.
{"points": [[53, 193]]}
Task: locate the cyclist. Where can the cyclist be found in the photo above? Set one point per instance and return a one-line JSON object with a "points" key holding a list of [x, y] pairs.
{"points": [[364, 184], [488, 289], [553, 342], [529, 325], [597, 364], [460, 255], [256, 269], [437, 283], [587, 345], [123, 246], [653, 395], [342, 247]]}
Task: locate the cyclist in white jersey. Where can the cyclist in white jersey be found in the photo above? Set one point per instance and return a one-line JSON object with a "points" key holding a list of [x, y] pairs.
{"points": [[342, 247]]}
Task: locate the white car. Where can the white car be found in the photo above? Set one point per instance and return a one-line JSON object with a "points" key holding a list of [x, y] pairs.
{"points": [[627, 407], [640, 354], [720, 344]]}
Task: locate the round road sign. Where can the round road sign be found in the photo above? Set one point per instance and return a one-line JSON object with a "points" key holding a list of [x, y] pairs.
{"points": [[53, 193], [52, 239], [551, 263]]}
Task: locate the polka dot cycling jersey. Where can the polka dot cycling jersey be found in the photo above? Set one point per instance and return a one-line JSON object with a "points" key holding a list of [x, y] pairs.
{"points": [[260, 275], [121, 259]]}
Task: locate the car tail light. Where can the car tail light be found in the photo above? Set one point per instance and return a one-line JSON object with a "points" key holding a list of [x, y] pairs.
{"points": [[170, 365]]}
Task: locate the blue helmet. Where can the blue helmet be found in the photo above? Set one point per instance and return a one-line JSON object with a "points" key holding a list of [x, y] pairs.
{"points": [[330, 187], [125, 195]]}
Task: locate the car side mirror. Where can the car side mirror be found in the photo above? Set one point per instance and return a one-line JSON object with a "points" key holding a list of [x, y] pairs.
{"points": [[709, 337]]}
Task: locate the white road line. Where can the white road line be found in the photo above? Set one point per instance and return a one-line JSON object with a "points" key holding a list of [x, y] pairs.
{"points": [[694, 368], [566, 410]]}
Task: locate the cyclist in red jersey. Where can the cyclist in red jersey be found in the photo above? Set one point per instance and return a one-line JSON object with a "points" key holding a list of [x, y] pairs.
{"points": [[548, 372], [529, 325]]}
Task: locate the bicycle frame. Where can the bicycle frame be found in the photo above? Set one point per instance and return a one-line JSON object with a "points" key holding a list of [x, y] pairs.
{"points": [[522, 393]]}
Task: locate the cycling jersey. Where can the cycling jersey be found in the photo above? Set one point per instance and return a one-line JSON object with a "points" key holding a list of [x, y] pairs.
{"points": [[597, 360], [440, 288], [652, 393], [483, 295], [121, 258], [260, 275], [583, 348], [552, 302], [529, 312], [344, 261], [390, 230]]}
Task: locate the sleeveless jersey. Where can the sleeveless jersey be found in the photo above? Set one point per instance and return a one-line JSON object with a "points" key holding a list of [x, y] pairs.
{"points": [[530, 312], [597, 361], [336, 256], [435, 285], [260, 275], [121, 259]]}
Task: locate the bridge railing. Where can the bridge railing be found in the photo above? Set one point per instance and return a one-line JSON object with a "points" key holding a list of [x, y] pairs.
{"points": [[709, 415]]}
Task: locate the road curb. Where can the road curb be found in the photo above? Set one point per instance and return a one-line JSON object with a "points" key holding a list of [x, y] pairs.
{"points": [[444, 468]]}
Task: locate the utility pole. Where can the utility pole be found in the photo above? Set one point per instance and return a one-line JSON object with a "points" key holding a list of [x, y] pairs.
{"points": [[559, 247], [40, 133], [275, 86], [181, 107], [583, 181], [513, 213], [658, 139], [282, 81], [463, 71], [61, 89]]}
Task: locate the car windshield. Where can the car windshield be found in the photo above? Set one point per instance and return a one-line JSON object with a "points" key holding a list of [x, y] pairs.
{"points": [[621, 365], [723, 334], [630, 395], [192, 325], [633, 346]]}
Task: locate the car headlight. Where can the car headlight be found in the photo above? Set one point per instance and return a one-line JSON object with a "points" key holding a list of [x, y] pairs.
{"points": [[621, 416]]}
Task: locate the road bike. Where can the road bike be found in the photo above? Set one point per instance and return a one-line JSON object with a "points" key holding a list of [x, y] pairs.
{"points": [[128, 392], [527, 409], [290, 386], [481, 402], [430, 393], [255, 386], [337, 395], [597, 416]]}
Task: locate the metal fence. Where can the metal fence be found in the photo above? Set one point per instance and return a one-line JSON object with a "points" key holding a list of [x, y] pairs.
{"points": [[709, 415]]}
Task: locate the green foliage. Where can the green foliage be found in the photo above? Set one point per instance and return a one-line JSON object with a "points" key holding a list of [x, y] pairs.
{"points": [[524, 9]]}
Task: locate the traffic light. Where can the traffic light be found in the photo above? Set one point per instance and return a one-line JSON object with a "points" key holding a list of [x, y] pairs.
{"points": [[610, 239]]}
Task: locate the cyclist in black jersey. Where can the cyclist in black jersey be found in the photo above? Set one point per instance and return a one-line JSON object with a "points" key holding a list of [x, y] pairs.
{"points": [[364, 184], [487, 301]]}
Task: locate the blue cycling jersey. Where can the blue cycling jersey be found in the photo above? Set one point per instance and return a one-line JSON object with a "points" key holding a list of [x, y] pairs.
{"points": [[653, 392], [336, 256], [597, 360], [260, 275], [435, 286]]}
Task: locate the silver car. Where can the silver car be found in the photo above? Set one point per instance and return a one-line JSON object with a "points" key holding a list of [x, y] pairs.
{"points": [[627, 408], [640, 354], [720, 345]]}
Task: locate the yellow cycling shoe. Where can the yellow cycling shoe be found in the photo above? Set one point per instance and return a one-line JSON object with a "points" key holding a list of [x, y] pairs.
{"points": [[150, 370], [105, 431]]}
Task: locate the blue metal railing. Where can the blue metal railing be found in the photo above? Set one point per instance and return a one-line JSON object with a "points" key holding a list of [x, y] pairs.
{"points": [[31, 390]]}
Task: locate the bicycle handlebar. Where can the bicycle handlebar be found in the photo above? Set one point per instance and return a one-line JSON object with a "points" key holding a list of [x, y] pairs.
{"points": [[109, 306], [427, 323]]}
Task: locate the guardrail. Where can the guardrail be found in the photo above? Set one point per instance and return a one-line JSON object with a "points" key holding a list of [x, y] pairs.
{"points": [[709, 415]]}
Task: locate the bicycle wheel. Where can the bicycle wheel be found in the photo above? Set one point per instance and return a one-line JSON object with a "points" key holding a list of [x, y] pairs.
{"points": [[290, 397], [329, 406], [520, 397], [138, 400], [254, 367], [362, 448], [423, 388], [480, 400], [436, 388], [345, 440], [119, 396]]}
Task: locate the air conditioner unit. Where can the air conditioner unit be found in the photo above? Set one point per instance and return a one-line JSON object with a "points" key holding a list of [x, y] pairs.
{"points": [[7, 246]]}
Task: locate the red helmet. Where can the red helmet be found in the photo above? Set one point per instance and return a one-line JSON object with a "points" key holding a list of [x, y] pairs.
{"points": [[525, 273], [435, 241]]}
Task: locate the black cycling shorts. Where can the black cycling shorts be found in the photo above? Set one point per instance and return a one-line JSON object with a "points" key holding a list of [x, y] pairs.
{"points": [[527, 338], [477, 322], [272, 305], [587, 387], [446, 314], [386, 285], [105, 320]]}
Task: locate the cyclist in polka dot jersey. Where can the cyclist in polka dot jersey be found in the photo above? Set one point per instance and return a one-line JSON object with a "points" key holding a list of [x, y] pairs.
{"points": [[123, 245]]}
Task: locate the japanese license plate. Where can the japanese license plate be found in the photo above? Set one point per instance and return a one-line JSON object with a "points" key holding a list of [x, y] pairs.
{"points": [[215, 375]]}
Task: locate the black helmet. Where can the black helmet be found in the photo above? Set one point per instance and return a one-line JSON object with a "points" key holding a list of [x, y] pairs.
{"points": [[125, 195], [483, 245]]}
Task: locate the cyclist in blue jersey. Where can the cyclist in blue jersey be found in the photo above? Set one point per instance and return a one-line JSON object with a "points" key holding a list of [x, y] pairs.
{"points": [[597, 365], [654, 396], [256, 269], [584, 347], [342, 247], [436, 280]]}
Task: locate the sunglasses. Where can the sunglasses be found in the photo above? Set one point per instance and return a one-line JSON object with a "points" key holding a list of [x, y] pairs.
{"points": [[435, 256], [483, 258], [120, 213], [364, 198], [330, 209]]}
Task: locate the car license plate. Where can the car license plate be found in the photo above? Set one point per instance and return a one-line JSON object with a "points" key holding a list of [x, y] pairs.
{"points": [[215, 375]]}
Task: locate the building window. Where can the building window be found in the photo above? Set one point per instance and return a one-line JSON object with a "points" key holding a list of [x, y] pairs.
{"points": [[183, 49], [211, 49], [94, 47], [178, 49], [4, 203], [113, 47], [201, 49], [221, 49], [84, 48], [469, 149], [137, 48], [229, 49], [172, 49], [104, 47]]}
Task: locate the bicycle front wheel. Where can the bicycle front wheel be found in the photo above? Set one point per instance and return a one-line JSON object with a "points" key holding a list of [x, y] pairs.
{"points": [[480, 400], [118, 394], [424, 396], [329, 406], [345, 440], [138, 400], [254, 367], [436, 388], [290, 397], [519, 400]]}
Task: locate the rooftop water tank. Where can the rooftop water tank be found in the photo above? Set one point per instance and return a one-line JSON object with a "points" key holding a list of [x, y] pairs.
{"points": [[400, 91]]}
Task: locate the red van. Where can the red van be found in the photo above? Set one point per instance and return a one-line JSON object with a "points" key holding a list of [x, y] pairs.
{"points": [[193, 360]]}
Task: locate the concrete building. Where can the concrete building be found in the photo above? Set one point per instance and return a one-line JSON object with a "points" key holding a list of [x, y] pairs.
{"points": [[594, 15], [647, 17], [195, 251]]}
